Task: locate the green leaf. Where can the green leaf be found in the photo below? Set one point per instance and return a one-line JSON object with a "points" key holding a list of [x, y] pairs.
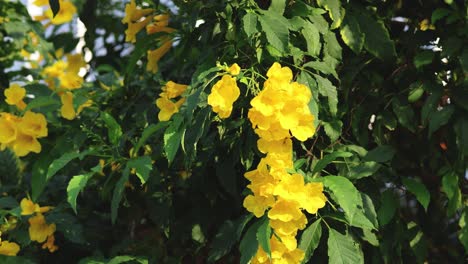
{"points": [[438, 14], [277, 6], [147, 133], [334, 9], [333, 129], [312, 37], [377, 39], [370, 237], [42, 101], [388, 206], [172, 138], [54, 6], [347, 197], [423, 58], [380, 154], [276, 28], [451, 188], [76, 184], [114, 129], [118, 192], [418, 242], [369, 209], [463, 233], [327, 159], [461, 130], [249, 244], [430, 105], [416, 91], [351, 33], [15, 260], [362, 170], [405, 114], [323, 67], [419, 190], [68, 225], [310, 239], [326, 88], [143, 166], [124, 259], [228, 234], [439, 118], [249, 23], [61, 162], [39, 176], [264, 235], [343, 249]]}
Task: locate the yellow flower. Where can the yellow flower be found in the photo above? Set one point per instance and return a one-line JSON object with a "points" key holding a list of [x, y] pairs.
{"points": [[132, 13], [258, 204], [67, 111], [234, 69], [29, 208], [25, 144], [75, 62], [134, 28], [41, 2], [278, 73], [65, 14], [39, 230], [15, 95], [426, 25], [8, 248], [155, 55], [8, 128], [160, 24], [223, 94], [33, 124], [49, 244], [88, 103], [172, 90], [285, 211], [167, 108]]}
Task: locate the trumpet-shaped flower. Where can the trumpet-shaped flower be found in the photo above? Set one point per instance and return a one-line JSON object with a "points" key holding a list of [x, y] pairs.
{"points": [[223, 94], [50, 244], [258, 204], [24, 144], [172, 90], [167, 108], [28, 207], [39, 230], [234, 69], [67, 111], [64, 15], [8, 248], [15, 95], [8, 128], [134, 28], [155, 55], [160, 24], [133, 14], [33, 124]]}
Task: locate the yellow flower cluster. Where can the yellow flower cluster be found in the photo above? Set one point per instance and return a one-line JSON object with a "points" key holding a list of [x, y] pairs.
{"points": [[224, 93], [136, 20], [21, 133], [63, 77], [166, 106], [14, 95], [65, 14], [39, 230], [279, 110]]}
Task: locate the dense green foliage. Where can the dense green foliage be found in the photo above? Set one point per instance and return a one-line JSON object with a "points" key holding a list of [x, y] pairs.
{"points": [[389, 82]]}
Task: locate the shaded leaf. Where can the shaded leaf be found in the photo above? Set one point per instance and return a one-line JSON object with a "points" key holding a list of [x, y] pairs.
{"points": [[114, 130], [335, 11], [310, 239], [249, 244], [172, 138], [343, 249], [380, 154], [326, 88], [76, 184], [143, 166], [327, 159], [249, 22], [351, 33], [419, 190], [388, 206], [276, 29], [54, 6], [439, 118], [264, 235]]}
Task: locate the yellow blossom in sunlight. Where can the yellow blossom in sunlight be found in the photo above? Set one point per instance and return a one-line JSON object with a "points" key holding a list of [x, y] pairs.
{"points": [[24, 144], [8, 248], [234, 69], [133, 14], [172, 90], [15, 95], [39, 230], [167, 108], [134, 28], [155, 55], [40, 2], [64, 15], [28, 207], [33, 124], [67, 111], [8, 128], [223, 95]]}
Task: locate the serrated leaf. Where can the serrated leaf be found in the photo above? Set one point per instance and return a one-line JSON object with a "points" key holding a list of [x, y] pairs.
{"points": [[264, 235], [143, 166], [118, 193], [327, 159], [54, 6], [419, 190], [312, 37], [310, 239], [249, 244], [322, 66], [114, 130], [76, 184], [351, 33], [277, 6], [327, 89], [377, 39], [335, 11], [61, 162], [369, 209], [439, 118], [380, 154], [343, 249], [172, 138], [276, 28], [124, 259], [347, 197], [249, 23]]}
